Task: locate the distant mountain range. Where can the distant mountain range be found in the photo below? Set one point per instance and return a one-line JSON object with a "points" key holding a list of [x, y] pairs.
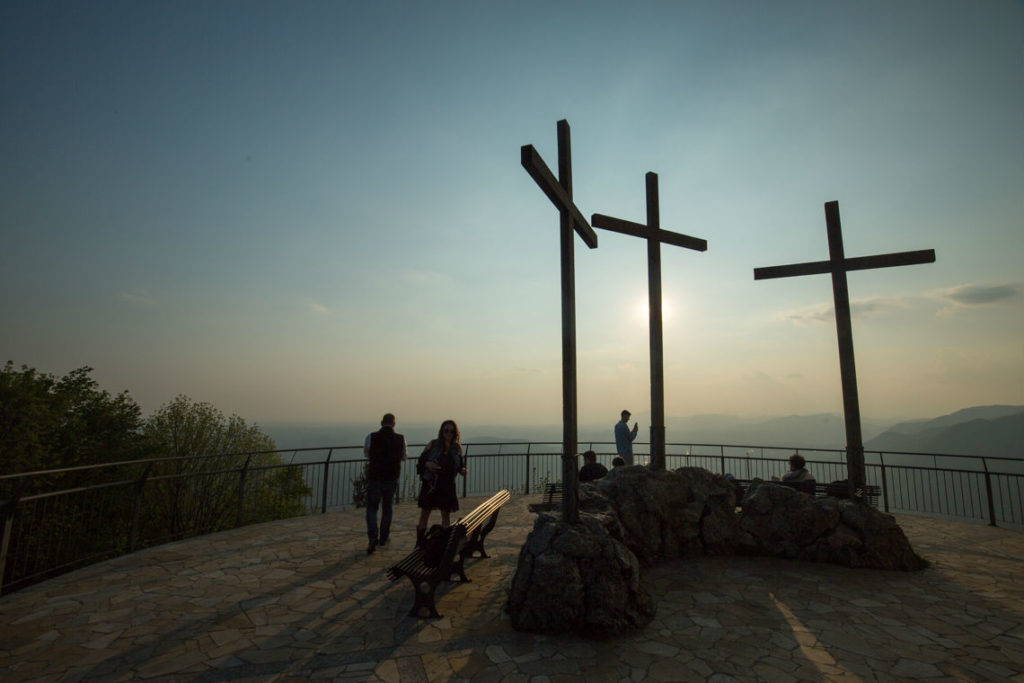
{"points": [[823, 430], [982, 430]]}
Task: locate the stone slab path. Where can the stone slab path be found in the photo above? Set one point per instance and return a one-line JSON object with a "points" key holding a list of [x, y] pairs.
{"points": [[299, 599]]}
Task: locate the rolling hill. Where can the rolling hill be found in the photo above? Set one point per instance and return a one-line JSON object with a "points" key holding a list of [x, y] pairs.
{"points": [[981, 430]]}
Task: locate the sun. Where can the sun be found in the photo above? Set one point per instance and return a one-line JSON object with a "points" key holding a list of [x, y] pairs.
{"points": [[641, 311]]}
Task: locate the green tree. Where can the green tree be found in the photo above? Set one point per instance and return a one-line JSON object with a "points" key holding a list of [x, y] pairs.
{"points": [[49, 423], [215, 459], [46, 422]]}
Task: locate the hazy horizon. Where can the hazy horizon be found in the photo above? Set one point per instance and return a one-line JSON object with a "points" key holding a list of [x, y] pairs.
{"points": [[823, 430], [316, 211]]}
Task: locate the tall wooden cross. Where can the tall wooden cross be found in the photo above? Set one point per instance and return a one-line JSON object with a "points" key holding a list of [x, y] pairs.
{"points": [[560, 193], [654, 235], [837, 265]]}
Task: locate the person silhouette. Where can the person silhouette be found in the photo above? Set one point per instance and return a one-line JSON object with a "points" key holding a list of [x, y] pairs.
{"points": [[624, 437]]}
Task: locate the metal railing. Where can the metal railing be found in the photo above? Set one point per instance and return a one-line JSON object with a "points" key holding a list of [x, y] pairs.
{"points": [[57, 520]]}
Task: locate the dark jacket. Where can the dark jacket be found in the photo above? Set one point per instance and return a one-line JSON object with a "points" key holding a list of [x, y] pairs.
{"points": [[592, 470], [386, 451]]}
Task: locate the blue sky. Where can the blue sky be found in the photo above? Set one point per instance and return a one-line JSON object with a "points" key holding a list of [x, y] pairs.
{"points": [[315, 210]]}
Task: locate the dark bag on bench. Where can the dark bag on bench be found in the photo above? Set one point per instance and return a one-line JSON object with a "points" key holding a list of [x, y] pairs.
{"points": [[434, 543]]}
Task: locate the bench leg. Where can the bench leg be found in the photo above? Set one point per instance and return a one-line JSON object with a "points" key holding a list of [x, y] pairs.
{"points": [[459, 567], [424, 598], [475, 544]]}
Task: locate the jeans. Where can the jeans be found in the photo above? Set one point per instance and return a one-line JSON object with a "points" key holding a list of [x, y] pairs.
{"points": [[379, 493]]}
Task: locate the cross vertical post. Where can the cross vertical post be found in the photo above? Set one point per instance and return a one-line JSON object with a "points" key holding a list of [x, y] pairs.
{"points": [[847, 367], [570, 475], [654, 235], [838, 265], [656, 335], [570, 220]]}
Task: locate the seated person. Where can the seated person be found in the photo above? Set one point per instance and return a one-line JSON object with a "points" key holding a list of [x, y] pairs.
{"points": [[591, 469], [618, 462], [798, 477]]}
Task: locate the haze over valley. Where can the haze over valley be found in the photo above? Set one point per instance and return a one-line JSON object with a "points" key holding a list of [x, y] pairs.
{"points": [[981, 430]]}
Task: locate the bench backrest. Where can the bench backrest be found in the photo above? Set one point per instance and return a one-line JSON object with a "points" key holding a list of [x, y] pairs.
{"points": [[553, 492], [483, 511]]}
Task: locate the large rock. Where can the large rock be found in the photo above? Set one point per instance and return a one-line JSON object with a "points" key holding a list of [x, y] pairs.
{"points": [[782, 522], [585, 578], [667, 514], [578, 578]]}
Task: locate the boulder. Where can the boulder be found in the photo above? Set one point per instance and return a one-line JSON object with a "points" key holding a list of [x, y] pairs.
{"points": [[667, 514], [782, 522], [578, 578]]}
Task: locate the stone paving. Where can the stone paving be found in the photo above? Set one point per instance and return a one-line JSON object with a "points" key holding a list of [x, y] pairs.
{"points": [[299, 599]]}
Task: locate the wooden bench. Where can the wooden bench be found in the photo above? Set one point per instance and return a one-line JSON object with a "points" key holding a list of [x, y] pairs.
{"points": [[444, 552], [552, 498]]}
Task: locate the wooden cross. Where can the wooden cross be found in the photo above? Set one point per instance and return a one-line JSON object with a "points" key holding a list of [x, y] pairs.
{"points": [[560, 193], [654, 235], [837, 265]]}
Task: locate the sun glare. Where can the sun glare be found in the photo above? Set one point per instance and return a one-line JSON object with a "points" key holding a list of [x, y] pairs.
{"points": [[641, 310]]}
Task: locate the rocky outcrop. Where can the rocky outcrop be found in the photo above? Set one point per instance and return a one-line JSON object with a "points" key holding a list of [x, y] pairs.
{"points": [[578, 578], [782, 522], [585, 578], [667, 514]]}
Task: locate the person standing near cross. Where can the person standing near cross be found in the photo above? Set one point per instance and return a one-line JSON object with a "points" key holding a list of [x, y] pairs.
{"points": [[624, 437]]}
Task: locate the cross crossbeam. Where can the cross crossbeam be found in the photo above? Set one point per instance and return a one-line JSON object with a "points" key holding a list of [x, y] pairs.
{"points": [[838, 265], [655, 236], [640, 230], [902, 258], [562, 200]]}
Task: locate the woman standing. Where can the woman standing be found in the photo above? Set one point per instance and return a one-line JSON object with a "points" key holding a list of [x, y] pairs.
{"points": [[440, 461]]}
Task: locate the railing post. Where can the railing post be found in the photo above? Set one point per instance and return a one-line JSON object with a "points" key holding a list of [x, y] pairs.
{"points": [[465, 463], [721, 456], [241, 491], [327, 472], [527, 491], [7, 508], [133, 533], [884, 486], [988, 492]]}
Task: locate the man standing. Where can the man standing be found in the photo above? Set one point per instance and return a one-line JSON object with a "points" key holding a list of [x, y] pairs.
{"points": [[385, 451], [624, 437]]}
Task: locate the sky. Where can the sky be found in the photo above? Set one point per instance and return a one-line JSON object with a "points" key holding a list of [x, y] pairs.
{"points": [[315, 211]]}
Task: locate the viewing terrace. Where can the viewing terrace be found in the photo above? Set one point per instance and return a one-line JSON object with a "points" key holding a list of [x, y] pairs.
{"points": [[300, 599]]}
